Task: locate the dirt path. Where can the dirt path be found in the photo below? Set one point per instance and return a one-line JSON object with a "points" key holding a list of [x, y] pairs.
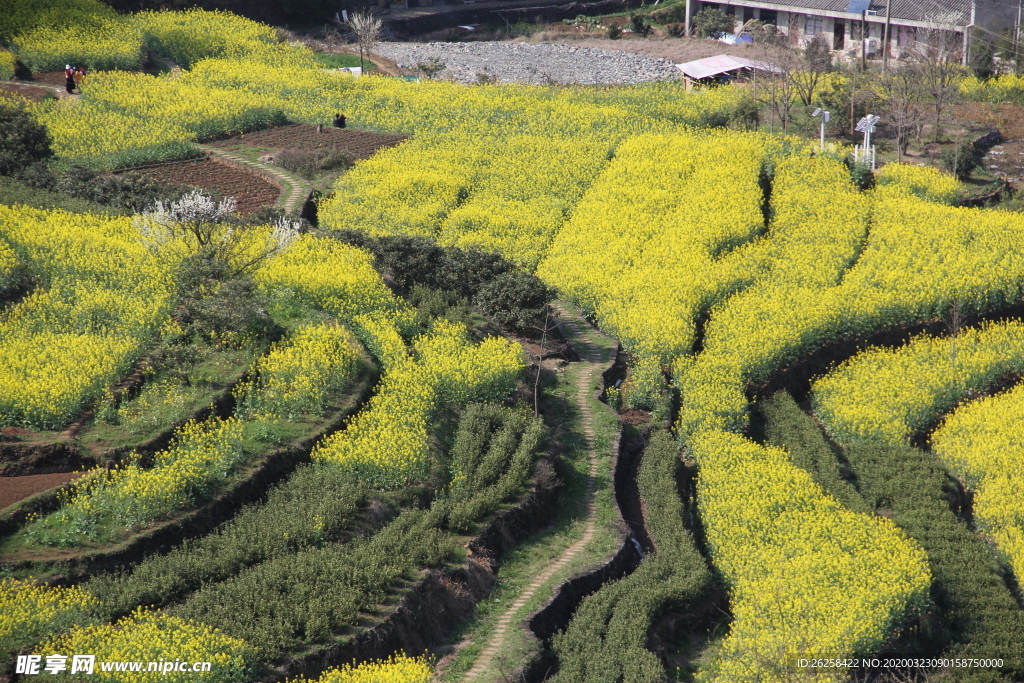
{"points": [[294, 192], [594, 358]]}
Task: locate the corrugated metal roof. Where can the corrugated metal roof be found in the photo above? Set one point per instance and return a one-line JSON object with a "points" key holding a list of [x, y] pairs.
{"points": [[957, 12], [712, 66]]}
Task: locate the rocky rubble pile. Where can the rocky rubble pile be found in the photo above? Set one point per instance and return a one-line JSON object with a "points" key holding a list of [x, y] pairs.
{"points": [[506, 62]]}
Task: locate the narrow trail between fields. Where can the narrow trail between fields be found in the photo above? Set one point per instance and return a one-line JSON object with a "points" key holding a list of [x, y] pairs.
{"points": [[294, 190], [593, 358]]}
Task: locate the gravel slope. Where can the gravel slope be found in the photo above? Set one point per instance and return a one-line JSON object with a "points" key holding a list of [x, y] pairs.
{"points": [[531, 63]]}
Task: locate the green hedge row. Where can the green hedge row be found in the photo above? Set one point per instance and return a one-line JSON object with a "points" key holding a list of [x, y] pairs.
{"points": [[606, 640], [975, 614], [288, 572]]}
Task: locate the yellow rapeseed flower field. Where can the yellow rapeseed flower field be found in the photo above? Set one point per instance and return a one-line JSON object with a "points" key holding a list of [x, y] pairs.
{"points": [[299, 374], [30, 612], [387, 443], [887, 394], [981, 441], [147, 636], [99, 297], [397, 669]]}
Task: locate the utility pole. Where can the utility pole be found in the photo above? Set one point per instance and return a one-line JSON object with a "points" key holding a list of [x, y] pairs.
{"points": [[1016, 38], [864, 41], [687, 18], [888, 17]]}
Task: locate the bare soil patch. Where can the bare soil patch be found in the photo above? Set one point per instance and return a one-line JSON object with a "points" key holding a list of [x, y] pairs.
{"points": [[32, 93], [360, 144], [1007, 118], [55, 78], [251, 190], [13, 489]]}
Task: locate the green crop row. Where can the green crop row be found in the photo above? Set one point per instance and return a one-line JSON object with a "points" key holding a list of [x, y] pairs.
{"points": [[971, 612], [607, 637], [295, 570]]}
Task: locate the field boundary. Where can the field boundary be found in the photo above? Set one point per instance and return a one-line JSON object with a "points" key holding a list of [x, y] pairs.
{"points": [[270, 468], [593, 359], [434, 604], [295, 192]]}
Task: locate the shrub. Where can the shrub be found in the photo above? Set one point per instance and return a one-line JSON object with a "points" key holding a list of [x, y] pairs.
{"points": [[960, 159], [412, 261], [674, 14], [131, 191], [608, 634], [432, 67], [861, 175], [676, 30], [312, 508], [614, 31], [8, 65], [517, 300], [639, 25], [23, 140], [309, 163], [713, 119], [432, 304], [491, 460], [711, 23], [745, 114], [216, 307]]}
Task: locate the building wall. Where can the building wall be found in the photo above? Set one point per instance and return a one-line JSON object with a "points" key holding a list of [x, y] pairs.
{"points": [[997, 15]]}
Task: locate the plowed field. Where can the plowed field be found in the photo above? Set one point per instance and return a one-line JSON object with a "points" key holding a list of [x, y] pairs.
{"points": [[250, 190], [360, 144], [13, 489]]}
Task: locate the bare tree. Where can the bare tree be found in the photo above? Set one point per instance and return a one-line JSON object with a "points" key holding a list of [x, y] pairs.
{"points": [[368, 29], [776, 88], [936, 60], [817, 61], [902, 97]]}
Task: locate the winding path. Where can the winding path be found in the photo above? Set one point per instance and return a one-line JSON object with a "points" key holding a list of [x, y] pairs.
{"points": [[594, 358], [294, 190]]}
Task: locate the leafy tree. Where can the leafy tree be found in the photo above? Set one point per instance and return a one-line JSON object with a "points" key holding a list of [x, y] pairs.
{"points": [[903, 104], [982, 60], [517, 300], [816, 62], [711, 23], [936, 61], [23, 140], [639, 25]]}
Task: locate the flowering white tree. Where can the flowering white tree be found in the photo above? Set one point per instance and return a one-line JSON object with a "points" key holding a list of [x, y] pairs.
{"points": [[368, 30], [197, 223]]}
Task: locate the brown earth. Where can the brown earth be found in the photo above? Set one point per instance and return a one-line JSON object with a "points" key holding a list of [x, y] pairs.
{"points": [[250, 190], [32, 93], [1007, 118], [13, 489], [360, 144]]}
